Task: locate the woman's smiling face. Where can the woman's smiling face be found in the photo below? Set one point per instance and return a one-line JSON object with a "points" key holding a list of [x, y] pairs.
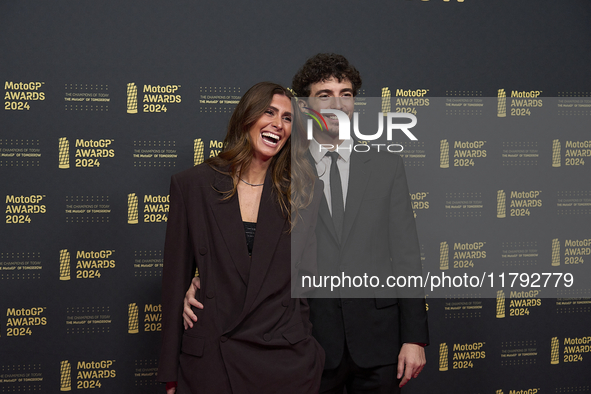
{"points": [[272, 130]]}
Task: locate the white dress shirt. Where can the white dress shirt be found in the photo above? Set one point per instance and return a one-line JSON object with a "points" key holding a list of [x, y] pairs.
{"points": [[323, 163]]}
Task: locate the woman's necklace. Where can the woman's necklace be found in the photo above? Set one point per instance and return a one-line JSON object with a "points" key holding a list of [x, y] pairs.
{"points": [[251, 184]]}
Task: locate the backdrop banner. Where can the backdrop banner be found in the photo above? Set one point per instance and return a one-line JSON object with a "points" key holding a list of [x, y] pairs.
{"points": [[105, 100]]}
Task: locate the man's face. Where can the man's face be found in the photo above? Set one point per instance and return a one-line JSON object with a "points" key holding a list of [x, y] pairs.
{"points": [[331, 94]]}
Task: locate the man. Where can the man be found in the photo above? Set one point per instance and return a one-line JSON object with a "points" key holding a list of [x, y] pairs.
{"points": [[372, 345]]}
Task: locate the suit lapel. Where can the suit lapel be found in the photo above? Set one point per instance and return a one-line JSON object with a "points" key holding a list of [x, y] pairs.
{"points": [[229, 221], [270, 225], [358, 178]]}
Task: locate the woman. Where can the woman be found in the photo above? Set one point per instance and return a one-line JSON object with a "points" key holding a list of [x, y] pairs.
{"points": [[231, 219]]}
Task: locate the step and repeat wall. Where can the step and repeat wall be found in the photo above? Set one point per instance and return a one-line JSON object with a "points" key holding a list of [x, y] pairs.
{"points": [[105, 100]]}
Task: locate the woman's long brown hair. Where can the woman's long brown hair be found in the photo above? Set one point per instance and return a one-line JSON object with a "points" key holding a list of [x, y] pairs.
{"points": [[293, 180]]}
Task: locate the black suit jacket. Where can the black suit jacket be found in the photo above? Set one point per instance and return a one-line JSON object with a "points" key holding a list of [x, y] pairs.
{"points": [[379, 236], [251, 335]]}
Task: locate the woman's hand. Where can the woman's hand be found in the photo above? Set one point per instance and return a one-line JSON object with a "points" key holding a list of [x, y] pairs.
{"points": [[188, 316]]}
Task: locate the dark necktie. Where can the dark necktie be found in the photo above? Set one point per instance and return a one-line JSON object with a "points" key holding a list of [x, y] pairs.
{"points": [[336, 195]]}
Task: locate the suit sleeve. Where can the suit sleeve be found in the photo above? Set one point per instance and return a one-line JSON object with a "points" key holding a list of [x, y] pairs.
{"points": [[179, 267], [406, 258], [304, 250]]}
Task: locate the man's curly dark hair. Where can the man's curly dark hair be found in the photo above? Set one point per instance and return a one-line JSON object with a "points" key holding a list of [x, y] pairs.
{"points": [[322, 67]]}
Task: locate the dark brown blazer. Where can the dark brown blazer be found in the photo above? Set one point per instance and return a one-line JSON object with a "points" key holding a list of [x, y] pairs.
{"points": [[251, 336]]}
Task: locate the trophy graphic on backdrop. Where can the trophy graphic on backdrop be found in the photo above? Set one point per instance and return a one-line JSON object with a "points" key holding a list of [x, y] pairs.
{"points": [[132, 319], [500, 304], [386, 101], [444, 154], [443, 351], [501, 204], [131, 98], [64, 153], [443, 256], [198, 151], [64, 264], [132, 209], [556, 153], [65, 376], [554, 349], [501, 103], [555, 252]]}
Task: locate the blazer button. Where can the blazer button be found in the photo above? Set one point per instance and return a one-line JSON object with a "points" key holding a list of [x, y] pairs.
{"points": [[210, 294], [285, 301], [267, 337], [202, 250], [223, 339]]}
